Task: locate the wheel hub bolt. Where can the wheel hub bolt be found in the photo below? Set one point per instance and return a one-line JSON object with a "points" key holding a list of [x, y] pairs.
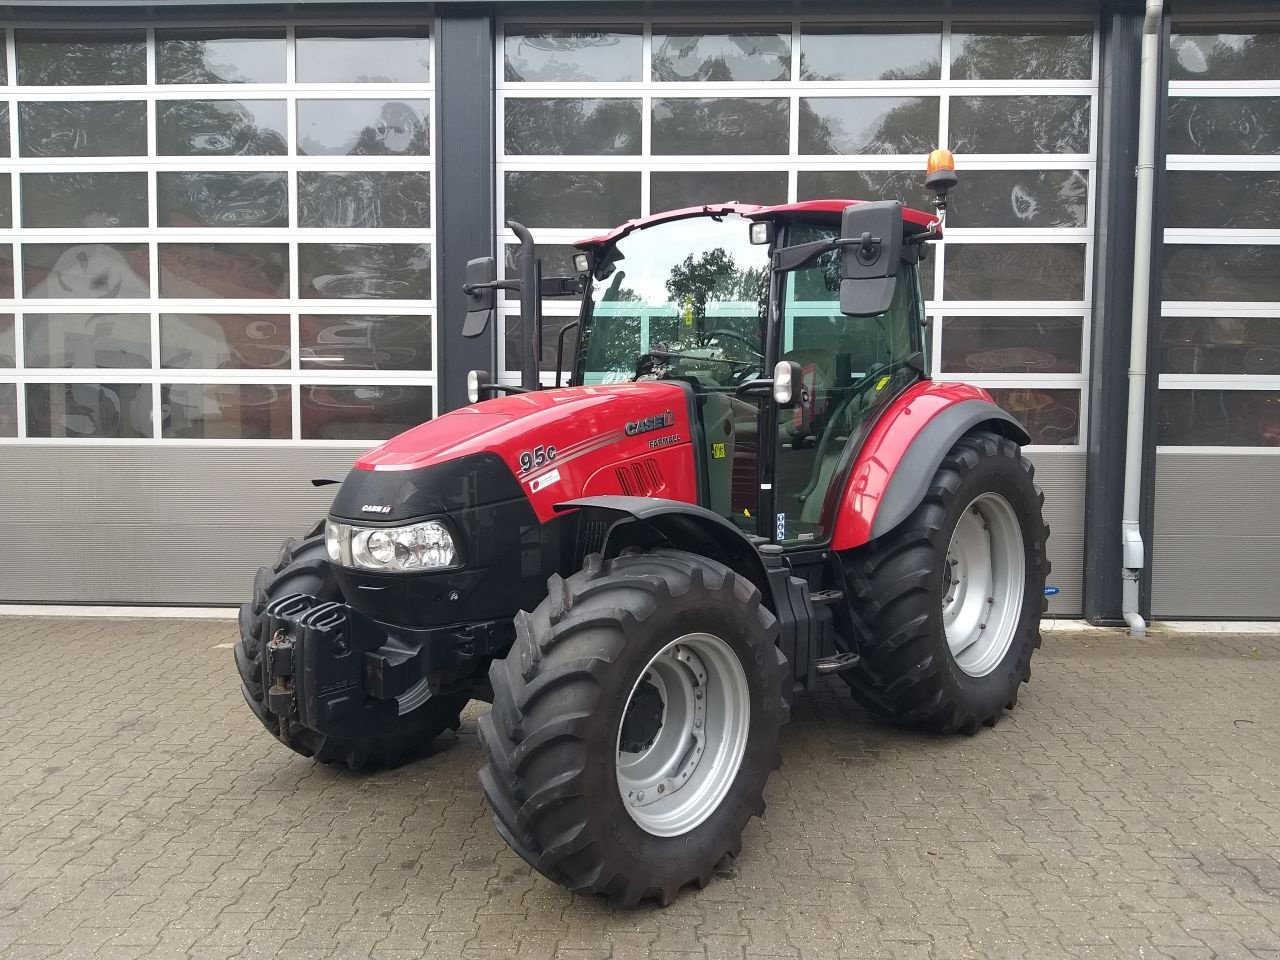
{"points": [[662, 787], [640, 795]]}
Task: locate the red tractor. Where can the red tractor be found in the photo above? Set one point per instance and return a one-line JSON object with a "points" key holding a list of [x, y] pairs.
{"points": [[750, 482]]}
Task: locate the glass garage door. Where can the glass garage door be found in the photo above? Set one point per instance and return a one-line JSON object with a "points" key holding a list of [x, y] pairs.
{"points": [[602, 123], [216, 234]]}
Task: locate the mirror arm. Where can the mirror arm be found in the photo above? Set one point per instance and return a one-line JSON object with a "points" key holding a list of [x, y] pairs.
{"points": [[494, 388], [754, 388], [471, 288]]}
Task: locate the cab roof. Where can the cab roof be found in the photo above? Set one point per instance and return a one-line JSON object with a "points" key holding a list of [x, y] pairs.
{"points": [[816, 209]]}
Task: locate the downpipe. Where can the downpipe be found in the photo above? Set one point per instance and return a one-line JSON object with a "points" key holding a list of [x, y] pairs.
{"points": [[1133, 549]]}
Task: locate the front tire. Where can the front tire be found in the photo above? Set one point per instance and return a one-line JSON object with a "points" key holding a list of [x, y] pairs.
{"points": [[952, 596], [634, 724]]}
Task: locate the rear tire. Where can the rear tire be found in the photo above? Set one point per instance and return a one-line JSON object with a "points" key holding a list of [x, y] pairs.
{"points": [[566, 731], [938, 658], [303, 567]]}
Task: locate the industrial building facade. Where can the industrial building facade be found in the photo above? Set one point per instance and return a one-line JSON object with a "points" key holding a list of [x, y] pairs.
{"points": [[232, 238]]}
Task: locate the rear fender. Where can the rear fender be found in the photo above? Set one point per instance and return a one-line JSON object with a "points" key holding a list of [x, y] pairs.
{"points": [[892, 471]]}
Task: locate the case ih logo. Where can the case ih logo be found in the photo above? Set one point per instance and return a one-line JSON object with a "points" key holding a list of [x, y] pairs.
{"points": [[656, 422], [374, 508]]}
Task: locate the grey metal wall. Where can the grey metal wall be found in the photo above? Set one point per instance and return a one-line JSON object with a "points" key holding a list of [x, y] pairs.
{"points": [[1061, 476], [1217, 536]]}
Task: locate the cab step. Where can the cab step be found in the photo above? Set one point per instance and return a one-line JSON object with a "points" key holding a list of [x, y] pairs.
{"points": [[836, 663], [821, 597]]}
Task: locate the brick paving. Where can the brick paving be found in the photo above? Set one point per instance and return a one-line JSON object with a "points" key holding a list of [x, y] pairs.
{"points": [[1130, 807]]}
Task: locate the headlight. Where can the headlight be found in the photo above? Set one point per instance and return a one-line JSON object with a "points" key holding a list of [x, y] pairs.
{"points": [[418, 546]]}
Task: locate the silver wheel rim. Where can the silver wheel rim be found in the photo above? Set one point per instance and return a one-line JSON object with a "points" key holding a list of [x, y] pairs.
{"points": [[675, 776], [983, 584]]}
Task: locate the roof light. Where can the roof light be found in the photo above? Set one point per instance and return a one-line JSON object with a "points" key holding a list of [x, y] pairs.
{"points": [[582, 263], [761, 232]]}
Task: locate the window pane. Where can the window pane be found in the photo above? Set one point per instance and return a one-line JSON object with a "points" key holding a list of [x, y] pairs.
{"points": [[6, 202], [1220, 272], [362, 128], [685, 54], [868, 124], [551, 327], [1050, 416], [1021, 198], [572, 126], [7, 351], [89, 410], [1008, 52], [220, 56], [557, 261], [1224, 125], [360, 199], [380, 55], [218, 270], [1209, 55], [202, 341], [87, 340], [889, 52], [1020, 124], [1221, 200], [672, 191], [4, 129], [537, 198], [1011, 344], [91, 200], [1213, 418], [80, 58], [220, 128], [720, 125], [1014, 271], [209, 199], [362, 413], [8, 410], [6, 271], [364, 271], [101, 128], [1220, 345], [81, 271], [344, 342], [544, 54], [904, 185], [237, 411]]}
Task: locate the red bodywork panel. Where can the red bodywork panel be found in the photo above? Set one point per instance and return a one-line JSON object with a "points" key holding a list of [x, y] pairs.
{"points": [[594, 455], [883, 451]]}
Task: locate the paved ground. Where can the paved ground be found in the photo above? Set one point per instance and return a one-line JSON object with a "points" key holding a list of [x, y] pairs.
{"points": [[1130, 808]]}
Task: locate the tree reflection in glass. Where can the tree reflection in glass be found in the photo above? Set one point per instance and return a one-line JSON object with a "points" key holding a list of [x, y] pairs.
{"points": [[190, 128]]}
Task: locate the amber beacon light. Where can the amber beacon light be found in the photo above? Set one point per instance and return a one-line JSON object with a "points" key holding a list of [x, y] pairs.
{"points": [[940, 176]]}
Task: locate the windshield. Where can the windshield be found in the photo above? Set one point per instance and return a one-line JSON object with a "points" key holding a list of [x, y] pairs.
{"points": [[685, 299]]}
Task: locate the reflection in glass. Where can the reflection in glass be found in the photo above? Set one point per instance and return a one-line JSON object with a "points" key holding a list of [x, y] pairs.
{"points": [[362, 412], [1222, 200], [7, 351], [202, 341], [1220, 345], [1209, 55], [6, 271], [6, 202], [1236, 272], [687, 54], [87, 340], [872, 52], [564, 125], [1224, 125], [557, 261], [551, 327], [89, 410], [8, 410], [362, 128], [851, 125], [364, 342], [1050, 124], [222, 199], [364, 271], [220, 128], [720, 125], [75, 128], [1021, 198], [234, 411], [539, 198], [220, 56], [4, 129], [83, 271], [1011, 344], [549, 54], [689, 188], [363, 199], [904, 185], [1218, 418], [1050, 416], [91, 200], [79, 58], [224, 270], [1014, 52], [1014, 271], [378, 55]]}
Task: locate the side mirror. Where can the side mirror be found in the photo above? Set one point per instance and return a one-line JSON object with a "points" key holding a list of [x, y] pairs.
{"points": [[480, 286], [870, 250]]}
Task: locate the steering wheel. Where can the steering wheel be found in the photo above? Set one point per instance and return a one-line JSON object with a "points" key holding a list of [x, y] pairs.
{"points": [[834, 423], [721, 332]]}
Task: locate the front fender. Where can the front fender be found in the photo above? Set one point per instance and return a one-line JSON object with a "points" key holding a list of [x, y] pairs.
{"points": [[892, 471]]}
